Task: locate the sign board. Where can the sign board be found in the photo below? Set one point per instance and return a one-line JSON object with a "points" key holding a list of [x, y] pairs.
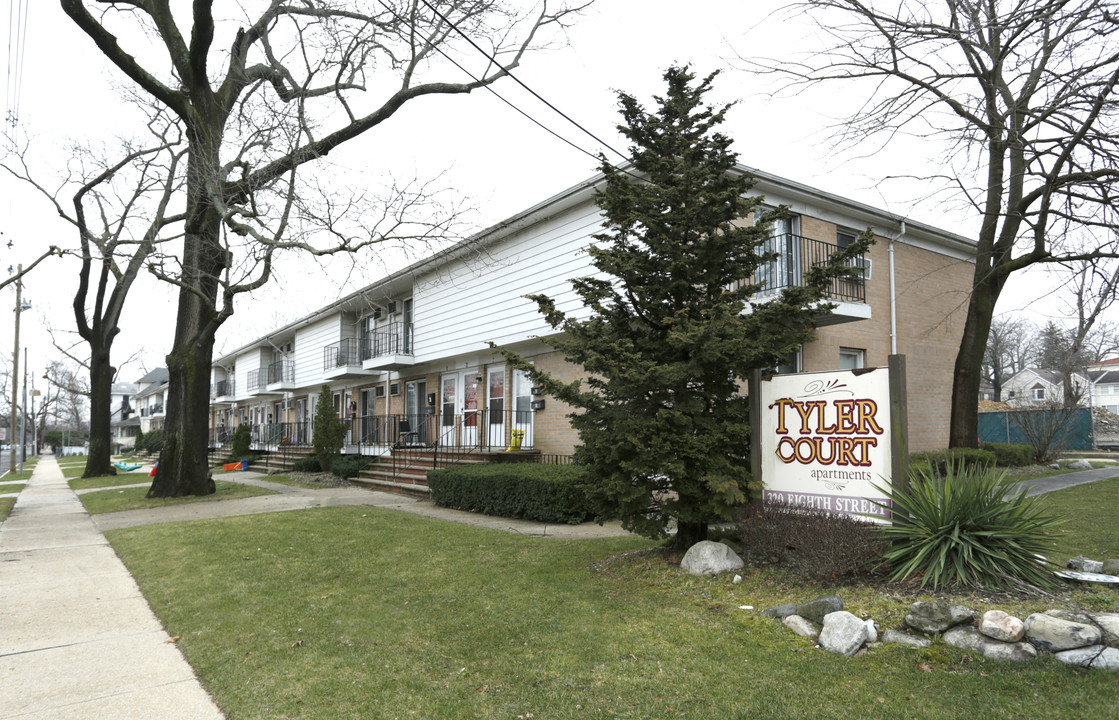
{"points": [[824, 440]]}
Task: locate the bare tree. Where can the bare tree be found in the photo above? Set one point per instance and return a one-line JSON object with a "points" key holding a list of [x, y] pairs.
{"points": [[293, 83], [1009, 349], [1093, 292], [1021, 95]]}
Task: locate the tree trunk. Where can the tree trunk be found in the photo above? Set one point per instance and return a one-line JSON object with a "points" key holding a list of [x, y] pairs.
{"points": [[184, 461], [100, 459], [688, 534], [964, 419]]}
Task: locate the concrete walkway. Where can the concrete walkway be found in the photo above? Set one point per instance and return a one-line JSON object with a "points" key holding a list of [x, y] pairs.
{"points": [[77, 639], [1044, 485]]}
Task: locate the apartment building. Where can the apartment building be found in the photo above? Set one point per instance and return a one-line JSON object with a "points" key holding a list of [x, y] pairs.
{"points": [[408, 360]]}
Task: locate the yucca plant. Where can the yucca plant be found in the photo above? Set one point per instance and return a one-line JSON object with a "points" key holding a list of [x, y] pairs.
{"points": [[969, 528]]}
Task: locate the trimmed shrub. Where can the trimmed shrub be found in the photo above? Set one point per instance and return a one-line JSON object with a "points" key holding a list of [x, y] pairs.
{"points": [[819, 545], [152, 442], [242, 441], [1010, 455], [329, 434], [307, 465], [968, 528], [348, 466], [544, 493], [939, 460]]}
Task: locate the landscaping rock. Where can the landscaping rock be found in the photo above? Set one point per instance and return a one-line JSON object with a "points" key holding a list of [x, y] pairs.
{"points": [[817, 609], [1071, 616], [871, 631], [970, 639], [801, 626], [1051, 634], [998, 625], [1099, 657], [1111, 566], [781, 611], [843, 633], [1080, 465], [1109, 624], [897, 636], [1085, 564], [937, 616], [710, 558]]}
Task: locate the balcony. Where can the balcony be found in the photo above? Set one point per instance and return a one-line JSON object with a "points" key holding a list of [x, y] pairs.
{"points": [[222, 392], [342, 360], [389, 348], [280, 376], [795, 255]]}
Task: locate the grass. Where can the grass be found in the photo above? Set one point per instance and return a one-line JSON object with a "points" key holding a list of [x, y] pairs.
{"points": [[77, 482], [360, 612], [11, 487], [106, 501], [286, 480], [1093, 528], [6, 507]]}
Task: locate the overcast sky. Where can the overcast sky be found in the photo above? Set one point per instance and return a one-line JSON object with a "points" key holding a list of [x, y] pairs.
{"points": [[479, 148]]}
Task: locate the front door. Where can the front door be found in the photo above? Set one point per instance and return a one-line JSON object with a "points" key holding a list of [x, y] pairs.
{"points": [[414, 414], [522, 406], [495, 406], [459, 422]]}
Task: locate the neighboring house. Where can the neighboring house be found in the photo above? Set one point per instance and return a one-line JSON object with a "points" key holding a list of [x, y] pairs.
{"points": [[1038, 386], [986, 390], [408, 362], [123, 420], [1105, 384], [150, 400]]}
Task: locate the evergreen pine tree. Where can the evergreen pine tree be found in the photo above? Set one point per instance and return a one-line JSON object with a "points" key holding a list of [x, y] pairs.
{"points": [[675, 327], [330, 432]]}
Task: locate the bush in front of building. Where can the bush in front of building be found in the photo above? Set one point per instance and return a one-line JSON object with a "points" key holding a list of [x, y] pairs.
{"points": [[544, 493], [937, 462], [1010, 455], [329, 434], [348, 466], [151, 442], [242, 442], [307, 465]]}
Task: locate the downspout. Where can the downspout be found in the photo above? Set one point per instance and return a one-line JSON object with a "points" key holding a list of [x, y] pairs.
{"points": [[894, 296]]}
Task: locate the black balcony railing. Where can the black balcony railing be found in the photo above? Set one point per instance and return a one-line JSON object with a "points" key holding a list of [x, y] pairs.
{"points": [[393, 339], [795, 254], [281, 371], [255, 380], [345, 353], [222, 388]]}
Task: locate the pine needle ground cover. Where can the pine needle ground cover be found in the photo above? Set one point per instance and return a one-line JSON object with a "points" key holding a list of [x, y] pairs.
{"points": [[365, 613]]}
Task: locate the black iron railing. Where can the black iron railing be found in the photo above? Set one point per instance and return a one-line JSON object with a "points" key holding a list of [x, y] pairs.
{"points": [[394, 339], [255, 380], [795, 254], [345, 353], [280, 371], [222, 388]]}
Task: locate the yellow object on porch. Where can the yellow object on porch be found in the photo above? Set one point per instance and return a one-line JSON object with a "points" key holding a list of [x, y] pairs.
{"points": [[516, 437]]}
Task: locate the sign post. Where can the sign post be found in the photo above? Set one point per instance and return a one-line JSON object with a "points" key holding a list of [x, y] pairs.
{"points": [[824, 441]]}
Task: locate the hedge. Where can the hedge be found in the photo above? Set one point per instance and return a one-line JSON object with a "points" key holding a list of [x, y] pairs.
{"points": [[348, 466], [1010, 455], [544, 493], [937, 461], [307, 465]]}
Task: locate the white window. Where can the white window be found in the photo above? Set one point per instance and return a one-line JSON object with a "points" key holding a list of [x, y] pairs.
{"points": [[1039, 393], [851, 358], [789, 363]]}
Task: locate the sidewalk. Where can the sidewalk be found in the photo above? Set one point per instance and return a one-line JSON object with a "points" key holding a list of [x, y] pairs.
{"points": [[77, 639]]}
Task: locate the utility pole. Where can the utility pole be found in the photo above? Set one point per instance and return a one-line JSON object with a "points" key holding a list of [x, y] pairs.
{"points": [[15, 374], [23, 416]]}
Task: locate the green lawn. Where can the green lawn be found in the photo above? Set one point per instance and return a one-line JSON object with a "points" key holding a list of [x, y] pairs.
{"points": [[6, 507], [79, 483], [105, 501], [1093, 529], [367, 613], [11, 487]]}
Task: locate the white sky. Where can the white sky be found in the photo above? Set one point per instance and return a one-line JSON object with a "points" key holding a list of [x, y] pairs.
{"points": [[485, 151]]}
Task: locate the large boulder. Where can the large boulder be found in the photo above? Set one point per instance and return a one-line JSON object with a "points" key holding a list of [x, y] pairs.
{"points": [[780, 611], [968, 638], [1099, 657], [710, 558], [937, 616], [998, 625], [818, 608], [1085, 564], [1109, 624], [843, 633], [1080, 465], [1052, 634]]}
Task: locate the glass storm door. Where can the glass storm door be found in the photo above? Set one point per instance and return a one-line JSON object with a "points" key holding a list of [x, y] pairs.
{"points": [[414, 413], [495, 406], [522, 405]]}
